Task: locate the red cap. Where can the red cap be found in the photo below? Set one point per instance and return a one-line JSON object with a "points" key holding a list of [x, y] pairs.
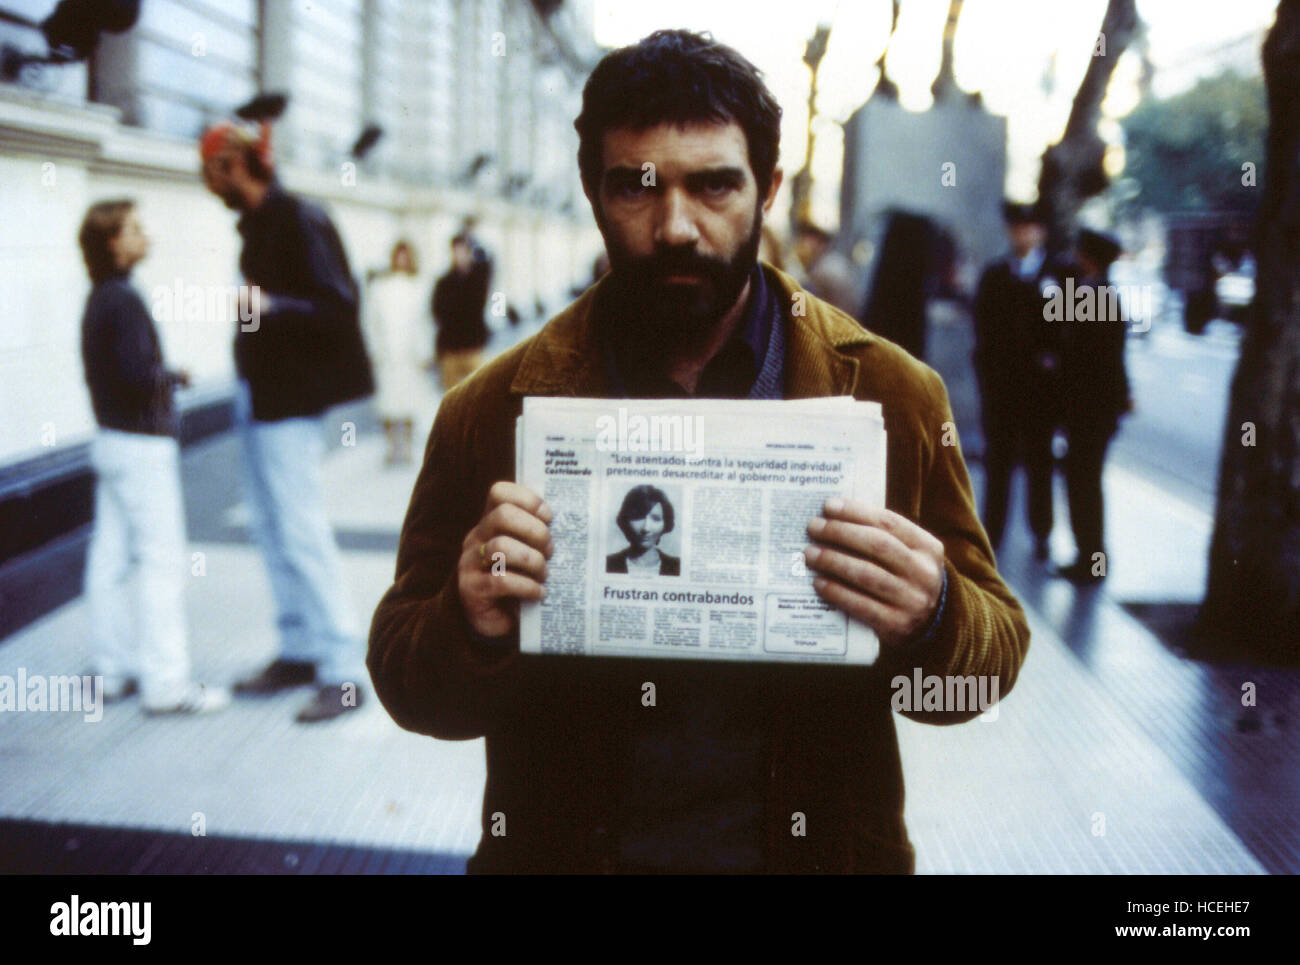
{"points": [[226, 134]]}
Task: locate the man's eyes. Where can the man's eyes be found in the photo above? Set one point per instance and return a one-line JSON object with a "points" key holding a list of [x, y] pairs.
{"points": [[707, 186], [627, 188], [715, 185]]}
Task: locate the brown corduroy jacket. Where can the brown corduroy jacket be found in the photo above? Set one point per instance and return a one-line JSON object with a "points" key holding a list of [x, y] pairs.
{"points": [[557, 727]]}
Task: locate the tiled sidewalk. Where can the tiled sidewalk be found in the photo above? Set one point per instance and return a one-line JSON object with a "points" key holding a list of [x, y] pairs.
{"points": [[1026, 793]]}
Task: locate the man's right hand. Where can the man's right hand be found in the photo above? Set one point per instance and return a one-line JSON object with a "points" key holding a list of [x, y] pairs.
{"points": [[514, 534]]}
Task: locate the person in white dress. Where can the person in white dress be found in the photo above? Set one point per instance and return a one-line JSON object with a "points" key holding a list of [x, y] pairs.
{"points": [[398, 330]]}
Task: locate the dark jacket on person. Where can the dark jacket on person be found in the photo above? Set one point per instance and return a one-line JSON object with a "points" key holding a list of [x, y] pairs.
{"points": [[1094, 380], [307, 353], [668, 565], [130, 388], [1017, 350], [558, 728], [458, 303]]}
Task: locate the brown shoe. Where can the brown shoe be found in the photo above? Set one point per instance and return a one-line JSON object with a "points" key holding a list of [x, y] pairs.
{"points": [[279, 674], [330, 701]]}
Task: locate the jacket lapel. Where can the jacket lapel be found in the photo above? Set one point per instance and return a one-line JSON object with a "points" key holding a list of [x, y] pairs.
{"points": [[815, 366], [564, 357]]}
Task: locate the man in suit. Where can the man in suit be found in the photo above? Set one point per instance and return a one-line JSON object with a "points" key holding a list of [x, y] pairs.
{"points": [[1095, 394], [1017, 364]]}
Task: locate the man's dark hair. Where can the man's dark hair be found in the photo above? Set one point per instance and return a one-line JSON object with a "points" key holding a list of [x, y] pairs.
{"points": [[637, 505], [677, 77]]}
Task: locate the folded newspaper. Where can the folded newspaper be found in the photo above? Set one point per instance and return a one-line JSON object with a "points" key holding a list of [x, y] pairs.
{"points": [[680, 525]]}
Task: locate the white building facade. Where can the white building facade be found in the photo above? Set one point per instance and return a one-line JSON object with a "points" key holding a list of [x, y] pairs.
{"points": [[476, 97]]}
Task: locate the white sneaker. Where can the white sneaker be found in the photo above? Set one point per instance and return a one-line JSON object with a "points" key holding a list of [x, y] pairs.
{"points": [[195, 699]]}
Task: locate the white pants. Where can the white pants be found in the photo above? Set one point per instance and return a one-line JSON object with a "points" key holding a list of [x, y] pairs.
{"points": [[139, 533]]}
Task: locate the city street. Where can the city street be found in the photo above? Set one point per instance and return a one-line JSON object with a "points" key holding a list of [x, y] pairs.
{"points": [[1113, 754]]}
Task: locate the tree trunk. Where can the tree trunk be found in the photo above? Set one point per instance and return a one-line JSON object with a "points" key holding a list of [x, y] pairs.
{"points": [[1252, 599], [1072, 167]]}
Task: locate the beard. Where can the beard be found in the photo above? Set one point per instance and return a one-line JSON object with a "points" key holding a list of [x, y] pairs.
{"points": [[651, 306], [231, 198]]}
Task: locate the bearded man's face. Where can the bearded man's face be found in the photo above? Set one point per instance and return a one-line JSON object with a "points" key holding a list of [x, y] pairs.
{"points": [[681, 216]]}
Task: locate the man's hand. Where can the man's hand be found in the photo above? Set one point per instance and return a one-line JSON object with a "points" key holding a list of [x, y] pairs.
{"points": [[515, 524], [877, 566]]}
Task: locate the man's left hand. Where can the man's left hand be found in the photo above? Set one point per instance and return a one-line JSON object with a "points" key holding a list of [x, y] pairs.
{"points": [[877, 566]]}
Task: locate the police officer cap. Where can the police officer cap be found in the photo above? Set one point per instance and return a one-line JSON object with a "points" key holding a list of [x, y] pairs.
{"points": [[1014, 212], [1099, 247]]}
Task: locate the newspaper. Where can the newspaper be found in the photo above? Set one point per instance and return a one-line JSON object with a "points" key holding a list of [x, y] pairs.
{"points": [[679, 525]]}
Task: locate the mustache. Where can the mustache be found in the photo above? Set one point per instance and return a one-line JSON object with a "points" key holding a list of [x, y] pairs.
{"points": [[663, 264]]}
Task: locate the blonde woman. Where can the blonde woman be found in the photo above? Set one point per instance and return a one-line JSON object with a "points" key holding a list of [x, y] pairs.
{"points": [[397, 323]]}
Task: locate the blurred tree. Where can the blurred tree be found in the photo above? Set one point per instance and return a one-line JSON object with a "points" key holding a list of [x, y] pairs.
{"points": [[1187, 151], [1072, 169], [1253, 594]]}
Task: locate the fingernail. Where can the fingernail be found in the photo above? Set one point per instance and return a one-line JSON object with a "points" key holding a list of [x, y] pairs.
{"points": [[816, 525], [834, 504], [811, 554]]}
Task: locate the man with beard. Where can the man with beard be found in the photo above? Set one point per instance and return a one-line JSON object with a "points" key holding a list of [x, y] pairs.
{"points": [[302, 352], [733, 767]]}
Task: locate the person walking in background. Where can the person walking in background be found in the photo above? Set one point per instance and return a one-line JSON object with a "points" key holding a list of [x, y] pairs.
{"points": [[139, 514], [459, 299], [1017, 365], [396, 317], [824, 271], [302, 353], [900, 288], [1095, 395]]}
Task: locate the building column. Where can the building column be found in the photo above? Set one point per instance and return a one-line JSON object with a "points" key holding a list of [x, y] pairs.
{"points": [[114, 78]]}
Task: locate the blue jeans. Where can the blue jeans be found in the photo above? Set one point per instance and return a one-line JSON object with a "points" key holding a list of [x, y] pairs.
{"points": [[286, 497]]}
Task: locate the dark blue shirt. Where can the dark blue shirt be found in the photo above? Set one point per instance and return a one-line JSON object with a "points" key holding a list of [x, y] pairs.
{"points": [[130, 388], [305, 352]]}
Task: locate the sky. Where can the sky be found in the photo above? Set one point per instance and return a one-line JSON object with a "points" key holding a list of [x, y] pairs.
{"points": [[1004, 49]]}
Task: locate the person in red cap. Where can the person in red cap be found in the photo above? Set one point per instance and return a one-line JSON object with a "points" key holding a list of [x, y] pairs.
{"points": [[300, 353]]}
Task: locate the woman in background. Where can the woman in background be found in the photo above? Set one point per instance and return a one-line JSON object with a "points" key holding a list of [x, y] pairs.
{"points": [[396, 327], [138, 634]]}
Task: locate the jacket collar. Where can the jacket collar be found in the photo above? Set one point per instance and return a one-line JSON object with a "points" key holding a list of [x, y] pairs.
{"points": [[274, 193], [564, 358]]}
